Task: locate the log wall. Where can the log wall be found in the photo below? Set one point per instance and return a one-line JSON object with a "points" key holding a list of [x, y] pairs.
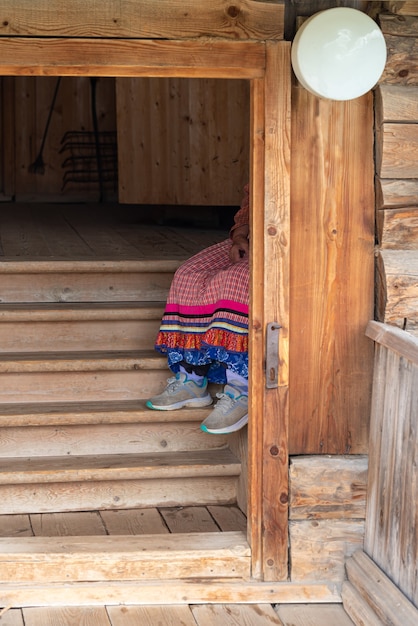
{"points": [[396, 122], [327, 509]]}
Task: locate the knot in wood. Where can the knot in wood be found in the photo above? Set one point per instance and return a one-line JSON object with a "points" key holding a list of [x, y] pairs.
{"points": [[403, 73], [272, 230], [274, 451], [233, 11], [284, 498]]}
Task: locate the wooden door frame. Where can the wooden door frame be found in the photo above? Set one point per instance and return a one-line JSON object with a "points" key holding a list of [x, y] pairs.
{"points": [[267, 66]]}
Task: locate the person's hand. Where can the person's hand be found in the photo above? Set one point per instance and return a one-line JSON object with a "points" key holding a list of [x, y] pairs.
{"points": [[240, 248]]}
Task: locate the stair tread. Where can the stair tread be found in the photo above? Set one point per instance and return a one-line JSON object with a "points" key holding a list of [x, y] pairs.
{"points": [[136, 546], [119, 466], [81, 361], [21, 266], [69, 311], [101, 412]]}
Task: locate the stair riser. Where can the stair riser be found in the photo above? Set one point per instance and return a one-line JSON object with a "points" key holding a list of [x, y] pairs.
{"points": [[106, 439], [81, 386], [118, 494], [75, 336], [85, 287]]}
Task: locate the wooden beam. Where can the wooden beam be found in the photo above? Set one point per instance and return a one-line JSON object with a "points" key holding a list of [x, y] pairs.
{"points": [[165, 592], [21, 56], [165, 19], [380, 593], [396, 103], [398, 228], [397, 150], [328, 487], [402, 49], [396, 192], [394, 339], [396, 286], [276, 309]]}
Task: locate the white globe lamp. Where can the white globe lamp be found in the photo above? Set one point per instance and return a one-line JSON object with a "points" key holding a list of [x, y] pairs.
{"points": [[339, 54]]}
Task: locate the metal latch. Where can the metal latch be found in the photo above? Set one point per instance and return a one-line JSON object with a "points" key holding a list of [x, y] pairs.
{"points": [[272, 355]]}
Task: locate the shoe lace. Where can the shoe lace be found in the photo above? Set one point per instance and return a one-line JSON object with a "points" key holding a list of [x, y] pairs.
{"points": [[173, 384], [225, 402]]}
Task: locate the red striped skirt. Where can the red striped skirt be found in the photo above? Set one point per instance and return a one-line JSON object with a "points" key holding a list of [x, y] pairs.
{"points": [[206, 315]]}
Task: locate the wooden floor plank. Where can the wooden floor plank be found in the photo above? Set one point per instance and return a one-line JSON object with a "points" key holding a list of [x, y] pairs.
{"points": [[236, 615], [313, 615], [151, 615], [83, 523], [11, 617], [134, 522], [114, 232], [189, 519], [66, 616], [15, 526], [228, 517]]}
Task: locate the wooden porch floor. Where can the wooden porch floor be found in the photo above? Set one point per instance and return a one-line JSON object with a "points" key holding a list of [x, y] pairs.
{"points": [[92, 232]]}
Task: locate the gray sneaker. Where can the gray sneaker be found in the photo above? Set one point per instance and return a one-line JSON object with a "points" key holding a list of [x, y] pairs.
{"points": [[181, 392], [229, 414]]}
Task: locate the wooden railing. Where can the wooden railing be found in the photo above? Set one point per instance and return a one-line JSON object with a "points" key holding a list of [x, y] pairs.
{"points": [[384, 578]]}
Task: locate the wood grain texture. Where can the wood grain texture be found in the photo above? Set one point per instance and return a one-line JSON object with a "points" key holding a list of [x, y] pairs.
{"points": [[397, 150], [379, 591], [145, 557], [320, 548], [165, 593], [396, 103], [396, 193], [396, 286], [331, 487], [246, 19], [401, 66], [313, 615], [274, 452], [392, 506], [398, 228], [332, 258], [235, 615], [128, 57], [182, 141]]}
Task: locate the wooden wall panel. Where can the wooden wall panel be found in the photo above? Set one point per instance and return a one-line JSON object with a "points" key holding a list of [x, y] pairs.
{"points": [[332, 258], [392, 510], [72, 112], [182, 141]]}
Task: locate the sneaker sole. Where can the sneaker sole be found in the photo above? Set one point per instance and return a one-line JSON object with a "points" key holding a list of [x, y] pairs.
{"points": [[228, 429], [193, 403]]}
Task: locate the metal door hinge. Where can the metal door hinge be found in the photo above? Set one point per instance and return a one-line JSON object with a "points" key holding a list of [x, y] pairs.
{"points": [[272, 355]]}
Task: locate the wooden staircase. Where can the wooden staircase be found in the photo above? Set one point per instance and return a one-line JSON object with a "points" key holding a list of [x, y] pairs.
{"points": [[76, 365]]}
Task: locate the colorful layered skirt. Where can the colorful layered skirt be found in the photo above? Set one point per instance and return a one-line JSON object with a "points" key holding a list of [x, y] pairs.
{"points": [[205, 321]]}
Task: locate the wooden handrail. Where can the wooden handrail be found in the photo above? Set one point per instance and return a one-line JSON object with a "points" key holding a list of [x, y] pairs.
{"points": [[395, 339]]}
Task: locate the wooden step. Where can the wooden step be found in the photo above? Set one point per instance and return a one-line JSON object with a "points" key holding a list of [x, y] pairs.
{"points": [[82, 376], [121, 558], [79, 326], [86, 281], [101, 428], [75, 483]]}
